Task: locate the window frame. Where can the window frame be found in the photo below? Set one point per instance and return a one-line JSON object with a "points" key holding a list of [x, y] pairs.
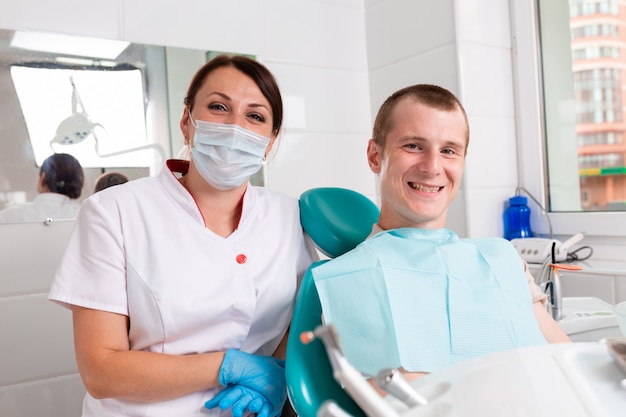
{"points": [[531, 148]]}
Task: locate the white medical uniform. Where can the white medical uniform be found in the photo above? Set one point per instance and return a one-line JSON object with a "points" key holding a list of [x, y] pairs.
{"points": [[45, 205], [141, 249]]}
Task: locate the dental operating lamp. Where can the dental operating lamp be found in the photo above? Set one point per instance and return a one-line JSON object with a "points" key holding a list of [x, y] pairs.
{"points": [[78, 127]]}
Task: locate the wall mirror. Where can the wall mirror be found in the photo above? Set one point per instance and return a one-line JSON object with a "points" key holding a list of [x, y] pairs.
{"points": [[113, 105]]}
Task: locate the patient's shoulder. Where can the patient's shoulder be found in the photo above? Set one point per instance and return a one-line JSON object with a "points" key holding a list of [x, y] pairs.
{"points": [[359, 258], [492, 243]]}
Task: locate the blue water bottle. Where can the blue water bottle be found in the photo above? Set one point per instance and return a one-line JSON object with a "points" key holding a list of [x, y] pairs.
{"points": [[517, 218]]}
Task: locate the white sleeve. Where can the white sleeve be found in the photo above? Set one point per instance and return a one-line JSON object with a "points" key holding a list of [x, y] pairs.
{"points": [[92, 272]]}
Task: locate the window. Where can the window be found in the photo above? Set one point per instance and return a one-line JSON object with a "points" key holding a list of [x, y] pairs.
{"points": [[598, 101], [569, 58], [592, 30], [592, 7]]}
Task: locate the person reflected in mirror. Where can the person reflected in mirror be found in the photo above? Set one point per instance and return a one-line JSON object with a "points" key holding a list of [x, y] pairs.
{"points": [[109, 179], [182, 286], [414, 296], [59, 186]]}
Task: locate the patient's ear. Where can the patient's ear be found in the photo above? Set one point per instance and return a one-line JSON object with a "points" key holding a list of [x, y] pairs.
{"points": [[374, 156]]}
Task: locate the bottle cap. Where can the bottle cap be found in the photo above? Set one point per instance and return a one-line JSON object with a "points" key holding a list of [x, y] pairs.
{"points": [[518, 200]]}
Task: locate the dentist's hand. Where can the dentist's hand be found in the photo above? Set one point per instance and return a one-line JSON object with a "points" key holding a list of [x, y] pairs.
{"points": [[241, 398], [263, 374]]}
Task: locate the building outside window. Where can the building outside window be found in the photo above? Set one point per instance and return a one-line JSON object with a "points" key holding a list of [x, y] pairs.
{"points": [[594, 122], [598, 60]]}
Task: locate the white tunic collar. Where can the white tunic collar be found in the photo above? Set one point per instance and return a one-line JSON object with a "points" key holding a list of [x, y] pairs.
{"points": [[169, 179]]}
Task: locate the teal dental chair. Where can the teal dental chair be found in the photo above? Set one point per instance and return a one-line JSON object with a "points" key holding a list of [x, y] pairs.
{"points": [[336, 220]]}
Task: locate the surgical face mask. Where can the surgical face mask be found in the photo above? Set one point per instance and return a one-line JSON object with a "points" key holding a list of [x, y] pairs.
{"points": [[226, 155]]}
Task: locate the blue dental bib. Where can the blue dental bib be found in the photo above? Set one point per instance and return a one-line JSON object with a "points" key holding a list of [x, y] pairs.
{"points": [[425, 300]]}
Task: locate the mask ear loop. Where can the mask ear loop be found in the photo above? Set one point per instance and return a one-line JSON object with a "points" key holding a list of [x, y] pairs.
{"points": [[192, 123], [269, 155], [191, 118]]}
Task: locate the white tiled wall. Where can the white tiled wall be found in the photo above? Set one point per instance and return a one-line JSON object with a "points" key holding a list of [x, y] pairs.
{"points": [[326, 130], [434, 66], [486, 83], [402, 29], [320, 34], [38, 374], [582, 284]]}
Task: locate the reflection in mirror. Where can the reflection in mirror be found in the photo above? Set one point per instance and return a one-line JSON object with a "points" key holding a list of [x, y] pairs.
{"points": [[115, 98], [113, 111]]}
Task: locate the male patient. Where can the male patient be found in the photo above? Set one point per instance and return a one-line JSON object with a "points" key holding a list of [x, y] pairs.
{"points": [[414, 296]]}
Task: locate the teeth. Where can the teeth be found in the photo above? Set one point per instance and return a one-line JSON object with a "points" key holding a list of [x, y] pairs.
{"points": [[424, 188]]}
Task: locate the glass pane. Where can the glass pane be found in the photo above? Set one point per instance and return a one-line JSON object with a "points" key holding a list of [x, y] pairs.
{"points": [[583, 61]]}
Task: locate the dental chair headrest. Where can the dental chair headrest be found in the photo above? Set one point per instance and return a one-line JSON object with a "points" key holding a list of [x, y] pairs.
{"points": [[336, 219]]}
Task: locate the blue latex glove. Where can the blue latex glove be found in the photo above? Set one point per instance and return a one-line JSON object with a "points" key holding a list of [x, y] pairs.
{"points": [[241, 398], [263, 374]]}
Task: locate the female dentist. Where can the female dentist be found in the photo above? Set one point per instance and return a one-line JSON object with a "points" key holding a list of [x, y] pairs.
{"points": [[183, 284]]}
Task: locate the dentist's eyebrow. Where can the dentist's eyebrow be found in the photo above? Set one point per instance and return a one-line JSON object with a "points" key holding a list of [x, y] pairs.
{"points": [[224, 96], [228, 98], [255, 105]]}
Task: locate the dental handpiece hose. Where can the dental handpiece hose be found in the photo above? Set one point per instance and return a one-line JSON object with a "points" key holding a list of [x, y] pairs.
{"points": [[351, 380], [360, 390]]}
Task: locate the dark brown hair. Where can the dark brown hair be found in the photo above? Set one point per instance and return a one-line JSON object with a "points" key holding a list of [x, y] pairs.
{"points": [[64, 175], [430, 95], [253, 69], [109, 179]]}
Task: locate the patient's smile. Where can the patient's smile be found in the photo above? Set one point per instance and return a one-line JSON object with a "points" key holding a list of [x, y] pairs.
{"points": [[425, 188]]}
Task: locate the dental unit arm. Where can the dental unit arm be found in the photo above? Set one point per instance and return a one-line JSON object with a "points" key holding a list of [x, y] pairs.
{"points": [[349, 378], [390, 380]]}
